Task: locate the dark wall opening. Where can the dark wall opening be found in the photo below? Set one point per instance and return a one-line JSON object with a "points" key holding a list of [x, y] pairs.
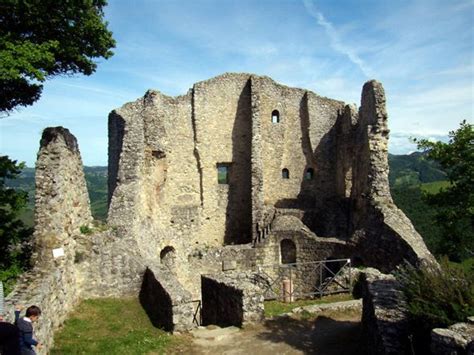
{"points": [[156, 302], [288, 251], [168, 257], [275, 116], [222, 305]]}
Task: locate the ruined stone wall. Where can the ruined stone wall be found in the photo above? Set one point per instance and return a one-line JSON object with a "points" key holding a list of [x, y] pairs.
{"points": [[377, 224], [305, 273], [222, 112], [164, 151], [94, 263], [385, 314], [346, 127], [168, 183], [62, 207], [168, 305], [228, 301], [61, 199], [303, 138]]}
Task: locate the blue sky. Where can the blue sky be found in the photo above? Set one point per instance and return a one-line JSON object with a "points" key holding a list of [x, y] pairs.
{"points": [[421, 50]]}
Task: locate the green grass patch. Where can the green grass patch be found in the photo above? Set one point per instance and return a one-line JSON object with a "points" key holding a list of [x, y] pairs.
{"points": [[112, 326], [275, 308], [434, 187], [467, 266]]}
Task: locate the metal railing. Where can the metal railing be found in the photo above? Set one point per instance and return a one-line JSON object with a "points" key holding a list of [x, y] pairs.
{"points": [[197, 316], [304, 280]]}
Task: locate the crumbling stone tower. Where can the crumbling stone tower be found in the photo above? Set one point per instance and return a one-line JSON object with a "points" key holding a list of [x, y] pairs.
{"points": [[218, 165]]}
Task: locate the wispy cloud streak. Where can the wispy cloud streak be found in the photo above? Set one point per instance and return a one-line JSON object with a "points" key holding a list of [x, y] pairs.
{"points": [[336, 42]]}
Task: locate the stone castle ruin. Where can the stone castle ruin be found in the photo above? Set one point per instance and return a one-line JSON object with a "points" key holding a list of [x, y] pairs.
{"points": [[206, 187]]}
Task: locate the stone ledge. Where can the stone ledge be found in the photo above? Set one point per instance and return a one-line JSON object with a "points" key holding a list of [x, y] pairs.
{"points": [[456, 339], [335, 306]]}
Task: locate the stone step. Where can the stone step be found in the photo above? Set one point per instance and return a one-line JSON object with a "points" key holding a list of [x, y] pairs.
{"points": [[215, 334]]}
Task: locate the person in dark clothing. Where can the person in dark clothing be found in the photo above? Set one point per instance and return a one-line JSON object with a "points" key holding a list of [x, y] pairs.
{"points": [[25, 326], [9, 338]]}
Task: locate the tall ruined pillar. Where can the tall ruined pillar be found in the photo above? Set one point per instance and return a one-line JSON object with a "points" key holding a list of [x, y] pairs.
{"points": [[61, 199], [377, 223]]}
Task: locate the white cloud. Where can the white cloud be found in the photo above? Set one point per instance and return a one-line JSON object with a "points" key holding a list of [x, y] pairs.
{"points": [[335, 39]]}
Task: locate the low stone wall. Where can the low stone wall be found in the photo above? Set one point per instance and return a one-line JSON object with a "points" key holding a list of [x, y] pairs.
{"points": [[167, 303], [227, 301], [384, 315], [55, 291], [457, 339], [109, 265]]}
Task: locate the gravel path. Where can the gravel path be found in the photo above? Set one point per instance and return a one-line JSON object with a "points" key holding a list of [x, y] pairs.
{"points": [[325, 333]]}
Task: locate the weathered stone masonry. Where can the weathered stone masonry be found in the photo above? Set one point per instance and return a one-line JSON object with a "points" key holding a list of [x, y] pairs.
{"points": [[302, 170]]}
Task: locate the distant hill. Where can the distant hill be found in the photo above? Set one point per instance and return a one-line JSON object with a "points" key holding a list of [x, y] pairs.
{"points": [[413, 169]]}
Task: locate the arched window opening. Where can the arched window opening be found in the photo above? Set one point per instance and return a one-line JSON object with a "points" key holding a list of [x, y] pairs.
{"points": [[275, 116], [309, 174], [288, 251], [168, 257], [285, 174]]}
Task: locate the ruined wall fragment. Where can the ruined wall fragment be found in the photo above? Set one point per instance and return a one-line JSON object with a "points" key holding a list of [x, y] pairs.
{"points": [[62, 208], [167, 303], [228, 301], [378, 225], [61, 197], [385, 315]]}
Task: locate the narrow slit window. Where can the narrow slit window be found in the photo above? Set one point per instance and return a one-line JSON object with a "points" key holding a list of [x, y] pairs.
{"points": [[275, 116], [309, 174], [222, 173], [285, 174]]}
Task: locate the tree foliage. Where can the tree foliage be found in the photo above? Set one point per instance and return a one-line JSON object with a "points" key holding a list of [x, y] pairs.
{"points": [[43, 38], [455, 204], [436, 297], [13, 233]]}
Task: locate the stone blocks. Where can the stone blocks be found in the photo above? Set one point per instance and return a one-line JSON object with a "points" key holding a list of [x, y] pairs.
{"points": [[229, 301], [166, 302]]}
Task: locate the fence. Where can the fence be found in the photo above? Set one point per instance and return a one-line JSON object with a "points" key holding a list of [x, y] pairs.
{"points": [[289, 282]]}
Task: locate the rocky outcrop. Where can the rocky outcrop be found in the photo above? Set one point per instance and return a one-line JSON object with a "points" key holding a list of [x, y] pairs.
{"points": [[458, 339]]}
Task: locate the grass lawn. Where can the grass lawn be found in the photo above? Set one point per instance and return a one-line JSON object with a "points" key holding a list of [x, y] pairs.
{"points": [[113, 326], [274, 308]]}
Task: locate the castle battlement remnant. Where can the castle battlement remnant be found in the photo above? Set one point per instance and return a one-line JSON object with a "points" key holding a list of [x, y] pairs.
{"points": [[206, 188]]}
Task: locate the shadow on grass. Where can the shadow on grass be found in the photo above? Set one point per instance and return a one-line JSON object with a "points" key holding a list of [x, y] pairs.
{"points": [[322, 336]]}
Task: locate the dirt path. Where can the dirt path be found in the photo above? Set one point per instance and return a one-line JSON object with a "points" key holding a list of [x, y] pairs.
{"points": [[326, 333]]}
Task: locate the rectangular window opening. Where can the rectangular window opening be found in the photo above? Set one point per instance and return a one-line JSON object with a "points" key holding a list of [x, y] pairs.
{"points": [[223, 170]]}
